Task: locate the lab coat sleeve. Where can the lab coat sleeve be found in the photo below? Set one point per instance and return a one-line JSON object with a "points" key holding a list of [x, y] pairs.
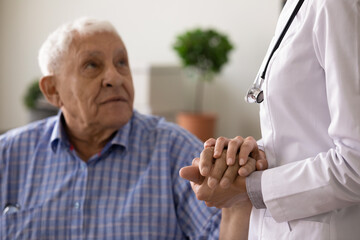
{"points": [[329, 180]]}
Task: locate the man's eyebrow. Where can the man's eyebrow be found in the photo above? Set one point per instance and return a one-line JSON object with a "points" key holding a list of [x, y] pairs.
{"points": [[90, 53], [121, 51]]}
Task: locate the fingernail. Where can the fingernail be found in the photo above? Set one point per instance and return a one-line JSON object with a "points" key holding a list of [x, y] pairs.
{"points": [[216, 153], [212, 182], [242, 161], [230, 161], [205, 171], [260, 166], [224, 183]]}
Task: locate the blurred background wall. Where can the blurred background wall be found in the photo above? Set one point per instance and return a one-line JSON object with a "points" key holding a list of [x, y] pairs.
{"points": [[148, 29]]}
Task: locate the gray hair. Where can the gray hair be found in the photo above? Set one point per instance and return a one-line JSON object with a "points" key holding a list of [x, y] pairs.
{"points": [[58, 42]]}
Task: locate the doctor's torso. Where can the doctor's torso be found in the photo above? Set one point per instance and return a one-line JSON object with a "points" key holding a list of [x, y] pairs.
{"points": [[294, 115], [310, 126]]}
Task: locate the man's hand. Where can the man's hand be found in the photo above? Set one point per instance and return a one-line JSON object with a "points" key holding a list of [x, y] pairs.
{"points": [[239, 150], [219, 171], [217, 178], [215, 196], [233, 199]]}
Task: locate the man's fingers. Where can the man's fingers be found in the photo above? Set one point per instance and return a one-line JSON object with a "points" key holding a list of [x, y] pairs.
{"points": [[192, 174], [248, 168], [229, 176], [195, 162], [217, 171], [206, 161]]}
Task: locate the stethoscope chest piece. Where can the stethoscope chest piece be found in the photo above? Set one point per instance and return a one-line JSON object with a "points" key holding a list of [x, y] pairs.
{"points": [[254, 95]]}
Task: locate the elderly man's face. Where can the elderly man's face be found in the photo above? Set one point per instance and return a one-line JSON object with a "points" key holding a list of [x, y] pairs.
{"points": [[94, 82]]}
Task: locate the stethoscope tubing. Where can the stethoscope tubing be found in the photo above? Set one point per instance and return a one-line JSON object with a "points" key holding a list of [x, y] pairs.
{"points": [[255, 93]]}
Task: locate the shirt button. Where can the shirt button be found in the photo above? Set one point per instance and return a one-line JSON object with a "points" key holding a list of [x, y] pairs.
{"points": [[77, 205]]}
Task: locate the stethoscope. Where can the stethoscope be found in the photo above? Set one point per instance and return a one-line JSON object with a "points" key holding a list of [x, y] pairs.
{"points": [[255, 93]]}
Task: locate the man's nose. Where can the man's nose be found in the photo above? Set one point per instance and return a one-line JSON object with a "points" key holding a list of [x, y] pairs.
{"points": [[112, 77]]}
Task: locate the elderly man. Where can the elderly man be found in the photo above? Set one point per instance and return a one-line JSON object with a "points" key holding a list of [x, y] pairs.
{"points": [[97, 170]]}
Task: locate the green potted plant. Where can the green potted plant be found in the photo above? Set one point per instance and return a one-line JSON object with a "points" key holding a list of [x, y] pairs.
{"points": [[35, 102], [205, 52]]}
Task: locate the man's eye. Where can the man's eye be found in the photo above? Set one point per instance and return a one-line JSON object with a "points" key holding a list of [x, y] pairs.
{"points": [[91, 65], [122, 63]]}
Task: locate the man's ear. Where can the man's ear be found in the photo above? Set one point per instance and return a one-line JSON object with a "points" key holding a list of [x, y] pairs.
{"points": [[48, 88]]}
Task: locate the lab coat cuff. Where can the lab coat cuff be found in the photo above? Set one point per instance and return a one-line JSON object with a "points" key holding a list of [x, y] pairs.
{"points": [[260, 144], [253, 187]]}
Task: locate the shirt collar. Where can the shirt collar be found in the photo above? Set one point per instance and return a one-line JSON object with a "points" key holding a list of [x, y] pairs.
{"points": [[58, 134], [122, 136]]}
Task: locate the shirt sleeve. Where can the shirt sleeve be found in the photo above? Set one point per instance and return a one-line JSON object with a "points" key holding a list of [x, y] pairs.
{"points": [[253, 188], [196, 220], [253, 184]]}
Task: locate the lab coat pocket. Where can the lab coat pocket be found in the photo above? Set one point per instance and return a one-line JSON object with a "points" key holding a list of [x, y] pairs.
{"points": [[294, 230], [272, 230], [309, 230]]}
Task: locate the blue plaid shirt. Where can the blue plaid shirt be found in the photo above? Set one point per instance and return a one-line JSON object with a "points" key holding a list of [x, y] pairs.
{"points": [[129, 190]]}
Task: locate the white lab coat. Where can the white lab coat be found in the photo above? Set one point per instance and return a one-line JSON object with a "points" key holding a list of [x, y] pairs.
{"points": [[310, 123]]}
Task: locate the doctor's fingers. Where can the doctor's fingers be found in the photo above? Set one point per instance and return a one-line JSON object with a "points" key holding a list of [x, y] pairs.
{"points": [[249, 146], [202, 191], [218, 144], [210, 143], [233, 149], [248, 168], [261, 162], [219, 197]]}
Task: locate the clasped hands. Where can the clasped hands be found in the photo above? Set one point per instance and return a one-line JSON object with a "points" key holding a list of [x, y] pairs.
{"points": [[218, 177]]}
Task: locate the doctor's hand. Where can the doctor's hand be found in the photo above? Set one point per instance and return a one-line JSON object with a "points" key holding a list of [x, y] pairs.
{"points": [[235, 204], [216, 196], [239, 150]]}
